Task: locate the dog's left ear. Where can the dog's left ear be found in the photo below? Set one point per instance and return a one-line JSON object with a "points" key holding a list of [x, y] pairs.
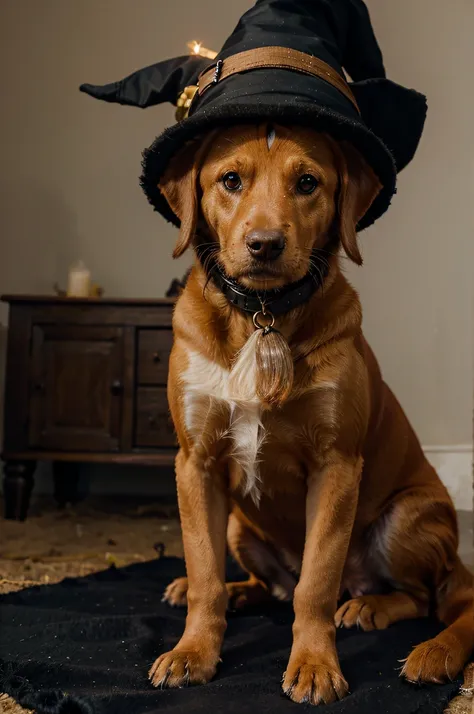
{"points": [[358, 187], [179, 185]]}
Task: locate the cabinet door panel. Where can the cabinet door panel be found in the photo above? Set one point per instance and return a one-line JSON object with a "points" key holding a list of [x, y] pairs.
{"points": [[76, 388]]}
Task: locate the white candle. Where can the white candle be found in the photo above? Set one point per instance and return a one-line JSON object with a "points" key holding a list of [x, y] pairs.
{"points": [[79, 280]]}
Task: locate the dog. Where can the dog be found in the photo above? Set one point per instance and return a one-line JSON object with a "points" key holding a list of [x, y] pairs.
{"points": [[318, 485]]}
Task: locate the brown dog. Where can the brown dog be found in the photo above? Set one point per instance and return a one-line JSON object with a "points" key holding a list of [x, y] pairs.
{"points": [[324, 489]]}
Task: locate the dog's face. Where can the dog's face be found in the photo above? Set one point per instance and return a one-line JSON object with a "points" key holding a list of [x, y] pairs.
{"points": [[267, 197]]}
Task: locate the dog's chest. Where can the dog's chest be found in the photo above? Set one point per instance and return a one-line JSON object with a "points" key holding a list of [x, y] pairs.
{"points": [[263, 444], [216, 421]]}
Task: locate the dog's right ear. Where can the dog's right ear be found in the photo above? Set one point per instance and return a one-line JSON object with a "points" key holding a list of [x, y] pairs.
{"points": [[358, 187], [179, 185]]}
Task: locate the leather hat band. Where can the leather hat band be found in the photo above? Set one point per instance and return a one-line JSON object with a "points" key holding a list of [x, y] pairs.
{"points": [[274, 58]]}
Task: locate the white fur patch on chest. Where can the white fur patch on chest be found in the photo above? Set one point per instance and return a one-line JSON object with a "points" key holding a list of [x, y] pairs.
{"points": [[208, 391]]}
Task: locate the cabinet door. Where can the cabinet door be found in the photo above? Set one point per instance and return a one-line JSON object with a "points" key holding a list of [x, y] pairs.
{"points": [[76, 388]]}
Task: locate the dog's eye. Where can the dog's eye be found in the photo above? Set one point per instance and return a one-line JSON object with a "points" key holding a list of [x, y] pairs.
{"points": [[307, 184], [232, 181]]}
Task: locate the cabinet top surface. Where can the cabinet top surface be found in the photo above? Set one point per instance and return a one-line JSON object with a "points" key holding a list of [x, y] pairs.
{"points": [[57, 300]]}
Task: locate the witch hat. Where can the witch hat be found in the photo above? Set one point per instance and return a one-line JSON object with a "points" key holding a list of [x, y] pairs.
{"points": [[285, 63]]}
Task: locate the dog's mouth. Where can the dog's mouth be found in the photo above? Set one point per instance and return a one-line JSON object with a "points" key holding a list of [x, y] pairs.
{"points": [[254, 275], [262, 277], [258, 273]]}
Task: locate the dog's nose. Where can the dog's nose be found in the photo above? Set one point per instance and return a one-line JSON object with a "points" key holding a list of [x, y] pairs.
{"points": [[265, 245]]}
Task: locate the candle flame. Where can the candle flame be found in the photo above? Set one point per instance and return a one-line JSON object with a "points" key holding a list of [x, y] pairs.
{"points": [[197, 49]]}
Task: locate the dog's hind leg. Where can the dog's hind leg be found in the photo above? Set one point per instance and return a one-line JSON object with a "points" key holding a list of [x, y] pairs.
{"points": [[376, 612], [445, 655], [414, 548], [247, 592], [176, 594], [267, 576]]}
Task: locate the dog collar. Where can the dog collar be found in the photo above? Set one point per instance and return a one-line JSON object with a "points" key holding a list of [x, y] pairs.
{"points": [[277, 301]]}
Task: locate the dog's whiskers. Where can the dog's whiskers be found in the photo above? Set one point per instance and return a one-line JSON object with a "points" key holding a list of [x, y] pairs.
{"points": [[313, 253], [211, 250], [319, 282]]}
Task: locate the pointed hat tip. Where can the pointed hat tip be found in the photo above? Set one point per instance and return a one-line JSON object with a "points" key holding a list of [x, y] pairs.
{"points": [[108, 92]]}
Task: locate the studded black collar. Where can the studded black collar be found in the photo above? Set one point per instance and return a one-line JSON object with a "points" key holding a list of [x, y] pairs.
{"points": [[277, 301]]}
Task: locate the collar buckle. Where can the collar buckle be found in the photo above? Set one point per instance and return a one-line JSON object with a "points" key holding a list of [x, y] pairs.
{"points": [[218, 71]]}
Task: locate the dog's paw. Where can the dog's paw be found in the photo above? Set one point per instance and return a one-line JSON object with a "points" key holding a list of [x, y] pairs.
{"points": [[176, 594], [367, 612], [246, 593], [311, 680], [435, 661], [179, 668]]}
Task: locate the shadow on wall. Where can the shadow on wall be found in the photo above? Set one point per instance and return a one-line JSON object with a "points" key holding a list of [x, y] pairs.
{"points": [[39, 237]]}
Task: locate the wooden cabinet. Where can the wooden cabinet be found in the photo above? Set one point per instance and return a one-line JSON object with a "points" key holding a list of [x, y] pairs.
{"points": [[85, 381]]}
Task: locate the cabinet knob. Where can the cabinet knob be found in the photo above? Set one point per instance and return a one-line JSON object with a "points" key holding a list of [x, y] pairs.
{"points": [[116, 387], [156, 357], [152, 420], [39, 387]]}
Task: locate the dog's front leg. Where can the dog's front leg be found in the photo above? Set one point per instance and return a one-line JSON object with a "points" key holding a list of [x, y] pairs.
{"points": [[203, 507], [313, 674]]}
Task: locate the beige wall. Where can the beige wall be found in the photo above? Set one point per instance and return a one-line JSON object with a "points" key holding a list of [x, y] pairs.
{"points": [[417, 282], [70, 165]]}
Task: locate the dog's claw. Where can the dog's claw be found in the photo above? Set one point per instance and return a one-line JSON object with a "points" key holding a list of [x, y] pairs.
{"points": [[180, 668], [314, 682]]}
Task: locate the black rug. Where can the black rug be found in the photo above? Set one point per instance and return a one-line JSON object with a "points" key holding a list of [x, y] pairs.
{"points": [[84, 646]]}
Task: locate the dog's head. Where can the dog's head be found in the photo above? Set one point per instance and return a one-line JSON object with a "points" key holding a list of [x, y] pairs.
{"points": [[267, 197]]}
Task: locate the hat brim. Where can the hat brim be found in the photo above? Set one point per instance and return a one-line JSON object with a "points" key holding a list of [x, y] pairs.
{"points": [[280, 96]]}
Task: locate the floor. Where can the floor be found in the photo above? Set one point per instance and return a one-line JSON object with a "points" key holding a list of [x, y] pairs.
{"points": [[52, 544]]}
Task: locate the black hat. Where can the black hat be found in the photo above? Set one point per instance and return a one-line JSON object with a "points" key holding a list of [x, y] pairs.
{"points": [[285, 63]]}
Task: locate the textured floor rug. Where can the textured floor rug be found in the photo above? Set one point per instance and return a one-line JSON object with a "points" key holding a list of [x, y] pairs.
{"points": [[84, 646]]}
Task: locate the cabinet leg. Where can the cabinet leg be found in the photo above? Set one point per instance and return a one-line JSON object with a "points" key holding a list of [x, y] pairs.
{"points": [[17, 487], [66, 478]]}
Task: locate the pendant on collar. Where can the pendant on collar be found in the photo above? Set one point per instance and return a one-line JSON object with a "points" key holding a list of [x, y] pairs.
{"points": [[269, 316], [271, 354]]}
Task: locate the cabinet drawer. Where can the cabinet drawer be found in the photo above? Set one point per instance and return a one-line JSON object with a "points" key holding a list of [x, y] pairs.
{"points": [[153, 420], [154, 347]]}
